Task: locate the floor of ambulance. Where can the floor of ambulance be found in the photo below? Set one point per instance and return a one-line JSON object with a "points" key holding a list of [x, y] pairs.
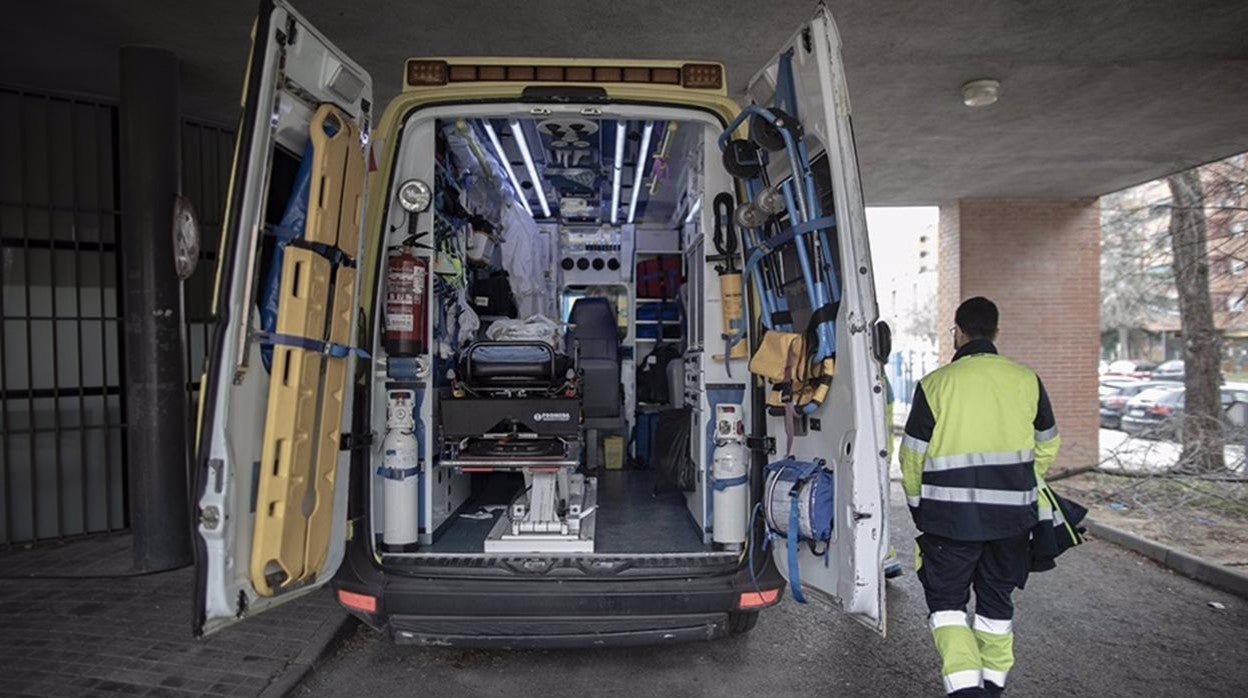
{"points": [[632, 518]]}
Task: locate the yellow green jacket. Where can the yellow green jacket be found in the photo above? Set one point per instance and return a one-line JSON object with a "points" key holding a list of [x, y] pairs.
{"points": [[980, 436]]}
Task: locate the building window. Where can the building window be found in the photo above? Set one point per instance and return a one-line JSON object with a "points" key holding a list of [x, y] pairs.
{"points": [[1238, 266], [1235, 303], [1237, 229]]}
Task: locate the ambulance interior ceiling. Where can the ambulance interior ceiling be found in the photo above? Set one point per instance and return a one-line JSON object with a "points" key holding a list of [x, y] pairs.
{"points": [[572, 170]]}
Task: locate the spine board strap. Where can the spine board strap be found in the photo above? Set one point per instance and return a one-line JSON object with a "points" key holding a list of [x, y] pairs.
{"points": [[330, 349]]}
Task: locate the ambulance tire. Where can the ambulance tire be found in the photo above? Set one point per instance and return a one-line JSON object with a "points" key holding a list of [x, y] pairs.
{"points": [[742, 622]]}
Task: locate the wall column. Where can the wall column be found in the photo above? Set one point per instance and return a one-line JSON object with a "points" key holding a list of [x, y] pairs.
{"points": [[1039, 261], [156, 420]]}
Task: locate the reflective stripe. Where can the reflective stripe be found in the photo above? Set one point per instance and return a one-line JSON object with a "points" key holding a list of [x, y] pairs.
{"points": [[1058, 519], [917, 445], [974, 495], [958, 680], [976, 460], [1047, 434], [1046, 513], [997, 677], [993, 625], [940, 619], [913, 501]]}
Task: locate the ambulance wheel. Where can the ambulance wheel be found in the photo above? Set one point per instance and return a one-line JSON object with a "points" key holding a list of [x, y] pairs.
{"points": [[742, 622]]}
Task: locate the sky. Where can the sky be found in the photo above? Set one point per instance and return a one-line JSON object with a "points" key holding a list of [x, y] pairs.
{"points": [[894, 233]]}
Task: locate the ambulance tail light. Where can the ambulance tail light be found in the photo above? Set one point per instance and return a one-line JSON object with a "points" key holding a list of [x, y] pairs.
{"points": [[702, 76], [357, 602], [758, 599], [427, 73]]}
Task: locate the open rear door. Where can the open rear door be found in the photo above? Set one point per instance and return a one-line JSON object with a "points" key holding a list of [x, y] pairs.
{"points": [[806, 81], [271, 476]]}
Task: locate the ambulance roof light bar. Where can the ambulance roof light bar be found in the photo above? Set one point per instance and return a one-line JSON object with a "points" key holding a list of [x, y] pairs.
{"points": [[642, 158], [518, 131], [502, 156], [616, 171]]}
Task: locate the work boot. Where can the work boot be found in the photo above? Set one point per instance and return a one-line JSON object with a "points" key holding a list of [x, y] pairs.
{"points": [[992, 690]]}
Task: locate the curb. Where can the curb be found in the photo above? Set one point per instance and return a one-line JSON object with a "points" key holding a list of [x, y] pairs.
{"points": [[1185, 564], [320, 645]]}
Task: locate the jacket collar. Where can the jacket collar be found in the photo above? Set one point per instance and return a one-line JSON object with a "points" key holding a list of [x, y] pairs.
{"points": [[976, 346]]}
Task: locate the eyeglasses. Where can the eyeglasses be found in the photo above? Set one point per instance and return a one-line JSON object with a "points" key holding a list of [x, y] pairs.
{"points": [[953, 331]]}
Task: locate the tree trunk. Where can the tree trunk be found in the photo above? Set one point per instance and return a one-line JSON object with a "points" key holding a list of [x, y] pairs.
{"points": [[1202, 422], [1124, 342]]}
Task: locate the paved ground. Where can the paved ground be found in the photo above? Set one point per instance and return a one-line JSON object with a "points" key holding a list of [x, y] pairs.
{"points": [[80, 637], [1106, 623]]}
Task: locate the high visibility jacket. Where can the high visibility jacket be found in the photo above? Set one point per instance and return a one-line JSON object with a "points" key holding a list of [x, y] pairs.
{"points": [[980, 434]]}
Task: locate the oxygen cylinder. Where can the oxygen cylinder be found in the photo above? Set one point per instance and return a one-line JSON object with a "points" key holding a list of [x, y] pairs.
{"points": [[406, 318], [730, 472], [400, 468]]}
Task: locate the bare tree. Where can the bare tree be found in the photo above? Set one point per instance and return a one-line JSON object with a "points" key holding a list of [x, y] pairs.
{"points": [[1202, 348]]}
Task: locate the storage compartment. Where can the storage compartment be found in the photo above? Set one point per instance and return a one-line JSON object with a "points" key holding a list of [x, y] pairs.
{"points": [[552, 254]]}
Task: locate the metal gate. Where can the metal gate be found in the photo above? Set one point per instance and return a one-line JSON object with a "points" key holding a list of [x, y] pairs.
{"points": [[62, 407]]}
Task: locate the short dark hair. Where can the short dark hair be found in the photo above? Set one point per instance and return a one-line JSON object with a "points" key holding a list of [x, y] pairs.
{"points": [[977, 317]]}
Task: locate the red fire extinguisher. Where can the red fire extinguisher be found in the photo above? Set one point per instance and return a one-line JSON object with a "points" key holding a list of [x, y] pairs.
{"points": [[406, 318]]}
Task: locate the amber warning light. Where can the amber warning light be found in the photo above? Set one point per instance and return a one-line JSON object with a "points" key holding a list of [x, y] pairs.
{"points": [[697, 76]]}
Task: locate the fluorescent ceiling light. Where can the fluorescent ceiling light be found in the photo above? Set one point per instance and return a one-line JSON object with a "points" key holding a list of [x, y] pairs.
{"points": [[641, 169], [502, 156], [619, 167], [693, 210], [528, 164]]}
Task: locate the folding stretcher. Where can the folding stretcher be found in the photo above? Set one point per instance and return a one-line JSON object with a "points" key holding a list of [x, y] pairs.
{"points": [[516, 407]]}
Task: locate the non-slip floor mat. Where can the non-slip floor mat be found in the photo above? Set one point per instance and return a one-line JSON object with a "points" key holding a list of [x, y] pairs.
{"points": [[631, 518]]}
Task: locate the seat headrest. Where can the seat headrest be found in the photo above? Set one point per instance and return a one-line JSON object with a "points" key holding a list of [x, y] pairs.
{"points": [[593, 318]]}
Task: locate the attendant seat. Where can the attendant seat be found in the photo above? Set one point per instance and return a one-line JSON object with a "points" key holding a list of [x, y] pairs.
{"points": [[596, 343]]}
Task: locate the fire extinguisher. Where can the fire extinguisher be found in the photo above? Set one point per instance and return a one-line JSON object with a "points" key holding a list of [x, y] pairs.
{"points": [[406, 318]]}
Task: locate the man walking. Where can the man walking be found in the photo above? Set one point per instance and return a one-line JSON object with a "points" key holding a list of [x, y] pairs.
{"points": [[979, 436]]}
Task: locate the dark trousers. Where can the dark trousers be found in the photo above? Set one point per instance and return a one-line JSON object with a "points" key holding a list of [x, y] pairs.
{"points": [[994, 568]]}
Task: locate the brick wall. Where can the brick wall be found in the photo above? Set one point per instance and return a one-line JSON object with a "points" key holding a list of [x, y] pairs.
{"points": [[1040, 262]]}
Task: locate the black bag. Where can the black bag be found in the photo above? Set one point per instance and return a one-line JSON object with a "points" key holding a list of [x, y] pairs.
{"points": [[491, 295], [674, 469], [652, 385]]}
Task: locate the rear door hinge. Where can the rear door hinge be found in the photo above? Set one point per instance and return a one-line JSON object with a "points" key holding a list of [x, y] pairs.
{"points": [[761, 444], [355, 442]]}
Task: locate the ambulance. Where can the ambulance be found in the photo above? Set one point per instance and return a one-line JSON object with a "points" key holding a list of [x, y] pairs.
{"points": [[546, 353]]}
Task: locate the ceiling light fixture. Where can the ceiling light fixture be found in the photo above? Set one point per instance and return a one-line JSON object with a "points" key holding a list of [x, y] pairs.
{"points": [[518, 132], [511, 174], [981, 93], [642, 159], [615, 176]]}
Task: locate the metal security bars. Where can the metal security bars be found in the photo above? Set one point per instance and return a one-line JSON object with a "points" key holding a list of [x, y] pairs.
{"points": [[207, 153], [62, 411], [62, 407]]}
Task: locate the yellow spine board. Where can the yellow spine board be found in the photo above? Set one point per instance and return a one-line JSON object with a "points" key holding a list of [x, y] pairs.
{"points": [[277, 551], [320, 519], [307, 390]]}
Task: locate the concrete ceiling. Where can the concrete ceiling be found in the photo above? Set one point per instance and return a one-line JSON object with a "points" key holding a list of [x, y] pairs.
{"points": [[1096, 95]]}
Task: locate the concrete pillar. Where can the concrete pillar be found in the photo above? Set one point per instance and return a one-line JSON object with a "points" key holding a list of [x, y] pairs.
{"points": [[155, 378], [1039, 261]]}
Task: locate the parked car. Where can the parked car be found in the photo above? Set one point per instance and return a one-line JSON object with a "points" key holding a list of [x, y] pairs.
{"points": [[1115, 393], [1169, 371], [1149, 412], [1132, 368], [1158, 412]]}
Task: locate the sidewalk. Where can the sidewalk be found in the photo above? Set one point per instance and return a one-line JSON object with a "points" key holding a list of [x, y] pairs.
{"points": [[61, 637]]}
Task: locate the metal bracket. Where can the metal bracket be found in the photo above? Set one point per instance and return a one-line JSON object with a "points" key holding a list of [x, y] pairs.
{"points": [[761, 444], [355, 442]]}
